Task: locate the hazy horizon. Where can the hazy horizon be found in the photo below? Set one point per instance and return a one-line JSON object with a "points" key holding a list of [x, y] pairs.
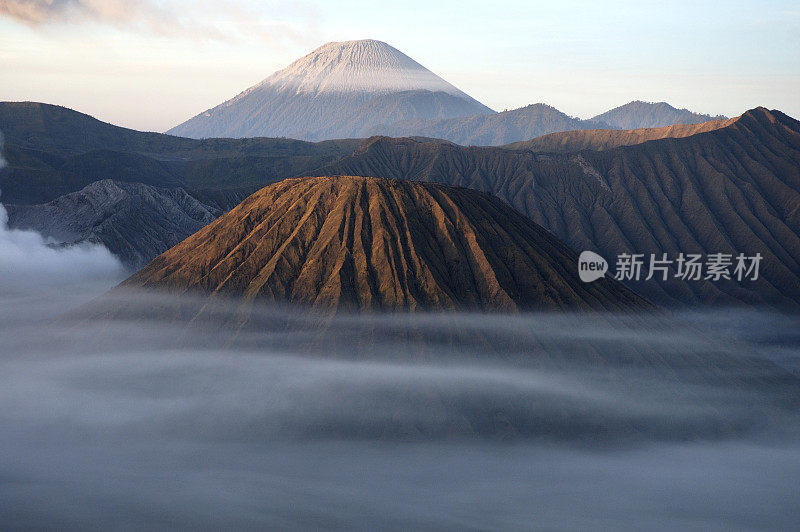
{"points": [[150, 65]]}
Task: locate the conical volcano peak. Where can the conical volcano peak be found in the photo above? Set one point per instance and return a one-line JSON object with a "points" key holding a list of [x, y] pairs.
{"points": [[371, 244], [341, 89], [358, 66]]}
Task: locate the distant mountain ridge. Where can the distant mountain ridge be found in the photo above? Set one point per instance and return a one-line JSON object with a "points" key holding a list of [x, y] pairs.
{"points": [[53, 150], [340, 90], [536, 120], [491, 129], [639, 115], [604, 139]]}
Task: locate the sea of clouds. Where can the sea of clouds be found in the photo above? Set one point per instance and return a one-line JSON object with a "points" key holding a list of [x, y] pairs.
{"points": [[142, 423]]}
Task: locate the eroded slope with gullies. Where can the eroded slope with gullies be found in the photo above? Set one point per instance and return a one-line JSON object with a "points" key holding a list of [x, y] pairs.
{"points": [[358, 243], [732, 190]]}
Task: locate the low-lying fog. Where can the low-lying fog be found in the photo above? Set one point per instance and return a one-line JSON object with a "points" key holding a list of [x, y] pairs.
{"points": [[517, 422]]}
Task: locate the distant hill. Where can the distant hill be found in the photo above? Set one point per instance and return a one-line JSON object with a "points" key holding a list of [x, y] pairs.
{"points": [[639, 114], [64, 131], [491, 129], [604, 139], [356, 243], [340, 90], [61, 130]]}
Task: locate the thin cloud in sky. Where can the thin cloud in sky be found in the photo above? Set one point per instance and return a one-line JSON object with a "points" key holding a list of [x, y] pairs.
{"points": [[213, 21]]}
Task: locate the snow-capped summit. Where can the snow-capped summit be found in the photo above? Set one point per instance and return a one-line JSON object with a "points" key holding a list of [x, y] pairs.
{"points": [[353, 66], [341, 89]]}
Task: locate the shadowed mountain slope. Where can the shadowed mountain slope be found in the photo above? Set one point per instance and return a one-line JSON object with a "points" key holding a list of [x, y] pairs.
{"points": [[732, 190], [63, 131], [490, 129], [60, 130], [604, 139], [639, 114], [357, 243], [52, 151]]}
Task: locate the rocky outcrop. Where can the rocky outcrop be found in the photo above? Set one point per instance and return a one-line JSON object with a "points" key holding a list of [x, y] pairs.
{"points": [[134, 221]]}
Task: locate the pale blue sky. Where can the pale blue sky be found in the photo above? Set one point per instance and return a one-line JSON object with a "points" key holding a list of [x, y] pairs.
{"points": [[150, 64]]}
